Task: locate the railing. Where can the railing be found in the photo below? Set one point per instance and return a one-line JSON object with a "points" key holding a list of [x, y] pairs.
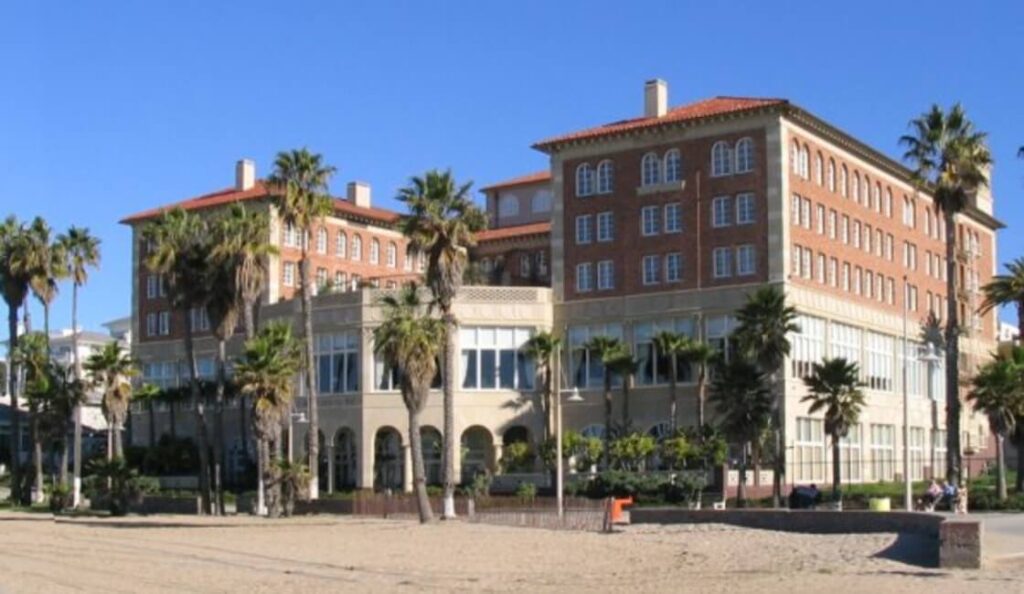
{"points": [[589, 515]]}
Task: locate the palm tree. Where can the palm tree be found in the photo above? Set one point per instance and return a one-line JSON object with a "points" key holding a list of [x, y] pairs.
{"points": [[835, 387], [82, 251], [998, 391], [1007, 289], [540, 348], [301, 180], [111, 370], [701, 354], [31, 356], [409, 340], [266, 373], [15, 274], [951, 161], [624, 366], [744, 406], [179, 249], [672, 346], [764, 324], [606, 349], [442, 223], [149, 395]]}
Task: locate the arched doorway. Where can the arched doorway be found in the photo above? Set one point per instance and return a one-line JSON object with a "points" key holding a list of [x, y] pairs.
{"points": [[477, 453], [432, 450], [344, 460], [388, 459]]}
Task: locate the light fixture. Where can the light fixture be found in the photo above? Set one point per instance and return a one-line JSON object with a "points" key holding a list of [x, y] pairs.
{"points": [[299, 417], [929, 355], [573, 395]]}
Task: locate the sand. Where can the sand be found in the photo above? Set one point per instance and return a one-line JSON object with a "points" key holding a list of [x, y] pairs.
{"points": [[331, 554]]}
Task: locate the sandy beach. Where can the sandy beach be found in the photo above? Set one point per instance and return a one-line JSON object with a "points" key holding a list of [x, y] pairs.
{"points": [[330, 554]]}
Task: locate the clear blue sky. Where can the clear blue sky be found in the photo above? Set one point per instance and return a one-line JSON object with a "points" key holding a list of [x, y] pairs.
{"points": [[107, 108]]}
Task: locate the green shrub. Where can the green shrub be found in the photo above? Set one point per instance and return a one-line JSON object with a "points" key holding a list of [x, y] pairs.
{"points": [[526, 492], [632, 451], [517, 457]]}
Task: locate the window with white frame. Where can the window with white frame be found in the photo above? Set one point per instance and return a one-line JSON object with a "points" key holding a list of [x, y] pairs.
{"points": [[584, 277], [744, 155], [883, 452], [876, 198], [721, 211], [392, 255], [794, 158], [831, 175], [819, 177], [410, 255], [357, 247], [673, 267], [321, 279], [855, 186], [819, 219], [288, 274], [721, 262], [833, 276], [650, 170], [321, 241], [851, 455], [809, 450], [605, 275], [917, 449], [673, 166], [718, 330], [938, 452], [797, 256], [374, 251], [542, 262], [805, 264], [807, 345], [879, 350], [746, 260], [340, 244], [846, 276], [584, 229], [844, 232], [291, 235], [794, 212], [845, 342], [653, 367], [605, 226], [805, 170], [843, 187], [151, 325], [337, 362], [832, 214], [605, 177], [340, 280], [673, 218], [494, 358], [869, 284], [856, 234], [879, 243], [888, 247], [805, 213], [888, 203], [651, 266], [857, 277], [820, 268], [745, 208], [162, 374], [584, 180], [649, 220], [721, 159], [584, 365], [164, 320]]}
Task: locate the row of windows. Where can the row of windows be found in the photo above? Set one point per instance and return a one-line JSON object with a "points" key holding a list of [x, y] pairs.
{"points": [[851, 278], [585, 227], [726, 210], [323, 282], [847, 231], [726, 159], [738, 261], [156, 286], [860, 191], [667, 268], [158, 323], [354, 251], [528, 263]]}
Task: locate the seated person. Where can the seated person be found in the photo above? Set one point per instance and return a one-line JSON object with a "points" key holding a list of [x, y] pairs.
{"points": [[804, 497], [949, 493], [932, 496]]}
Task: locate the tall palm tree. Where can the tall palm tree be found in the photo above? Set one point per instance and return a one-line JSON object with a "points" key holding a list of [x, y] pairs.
{"points": [[672, 346], [835, 387], [997, 390], [950, 160], [701, 355], [442, 223], [31, 356], [300, 179], [765, 322], [179, 243], [540, 348], [1007, 289], [15, 274], [409, 340], [82, 251], [111, 370], [624, 366], [606, 349], [744, 406], [266, 373]]}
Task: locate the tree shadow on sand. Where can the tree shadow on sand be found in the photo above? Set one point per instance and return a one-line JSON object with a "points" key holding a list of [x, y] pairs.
{"points": [[913, 549]]}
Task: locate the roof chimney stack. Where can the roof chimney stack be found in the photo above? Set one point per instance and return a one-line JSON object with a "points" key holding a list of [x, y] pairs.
{"points": [[245, 175], [655, 98], [358, 193]]}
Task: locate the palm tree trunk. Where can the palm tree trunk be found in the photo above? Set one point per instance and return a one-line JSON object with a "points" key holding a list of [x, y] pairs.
{"points": [[313, 437], [271, 486], [625, 403], [261, 465], [702, 381], [547, 401], [12, 386], [606, 455], [419, 480], [741, 489], [118, 443], [37, 454], [200, 408], [1001, 467], [151, 406], [673, 420], [76, 489], [448, 393], [953, 454], [218, 439], [65, 453], [779, 468], [837, 475]]}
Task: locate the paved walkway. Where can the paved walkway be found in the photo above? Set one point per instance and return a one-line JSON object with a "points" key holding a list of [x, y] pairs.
{"points": [[1003, 535]]}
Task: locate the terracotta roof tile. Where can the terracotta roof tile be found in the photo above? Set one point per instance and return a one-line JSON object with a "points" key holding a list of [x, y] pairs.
{"points": [[513, 232], [694, 111], [522, 180]]}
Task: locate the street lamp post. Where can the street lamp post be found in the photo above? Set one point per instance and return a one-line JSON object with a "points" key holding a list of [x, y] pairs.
{"points": [[574, 396]]}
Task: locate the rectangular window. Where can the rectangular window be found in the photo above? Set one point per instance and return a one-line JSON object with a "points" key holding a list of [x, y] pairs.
{"points": [[585, 366], [833, 278], [151, 324], [867, 238], [807, 345], [832, 224], [745, 209], [794, 212], [721, 262], [651, 269], [321, 278], [805, 264], [584, 277], [605, 226], [289, 274], [805, 214], [850, 455], [888, 247], [856, 234], [879, 350], [673, 267], [605, 275], [649, 224], [746, 261], [846, 276], [654, 367], [845, 231], [584, 229], [337, 362], [844, 341], [821, 268], [795, 266], [165, 323], [857, 275], [152, 286], [820, 219], [199, 319], [809, 450], [883, 459], [721, 211], [673, 218]]}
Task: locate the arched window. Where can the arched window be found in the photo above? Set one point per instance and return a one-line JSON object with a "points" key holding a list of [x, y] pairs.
{"points": [[605, 177], [721, 159], [409, 255], [855, 188], [818, 170], [321, 241], [794, 158], [888, 202], [357, 247], [673, 166], [392, 255], [876, 198], [374, 251], [744, 155], [584, 180], [651, 170], [341, 244], [805, 167], [831, 175], [844, 190]]}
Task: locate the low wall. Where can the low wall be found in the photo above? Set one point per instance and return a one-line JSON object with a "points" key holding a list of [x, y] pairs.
{"points": [[957, 541], [166, 505], [323, 506]]}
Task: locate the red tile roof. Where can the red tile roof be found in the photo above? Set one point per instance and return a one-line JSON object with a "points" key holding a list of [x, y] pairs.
{"points": [[514, 232], [522, 180], [342, 208], [694, 111]]}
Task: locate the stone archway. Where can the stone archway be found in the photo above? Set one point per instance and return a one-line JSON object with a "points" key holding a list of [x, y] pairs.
{"points": [[345, 461], [388, 459], [477, 453]]}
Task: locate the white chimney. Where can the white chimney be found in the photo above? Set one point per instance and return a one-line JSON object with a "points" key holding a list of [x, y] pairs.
{"points": [[358, 193], [655, 98], [245, 174]]}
